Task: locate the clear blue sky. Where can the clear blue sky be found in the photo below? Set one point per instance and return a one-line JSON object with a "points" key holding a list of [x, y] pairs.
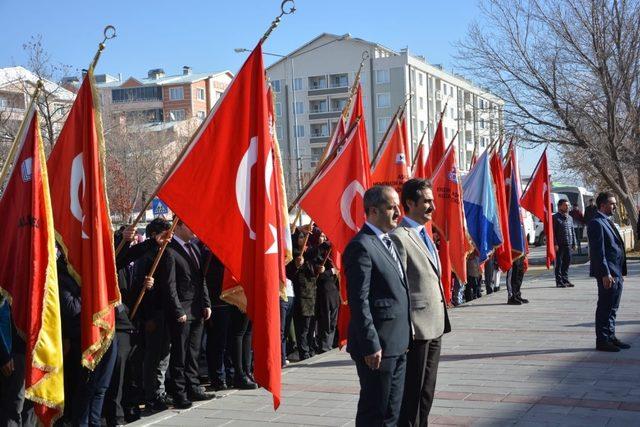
{"points": [[203, 34]]}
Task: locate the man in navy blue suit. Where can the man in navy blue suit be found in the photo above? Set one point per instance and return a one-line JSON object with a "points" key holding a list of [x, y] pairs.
{"points": [[380, 326], [608, 266]]}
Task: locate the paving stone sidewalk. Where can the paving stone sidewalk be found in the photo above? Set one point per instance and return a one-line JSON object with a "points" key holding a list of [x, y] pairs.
{"points": [[527, 365]]}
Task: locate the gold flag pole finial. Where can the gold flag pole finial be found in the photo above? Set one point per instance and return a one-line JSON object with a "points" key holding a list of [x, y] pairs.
{"points": [[285, 9], [109, 33]]}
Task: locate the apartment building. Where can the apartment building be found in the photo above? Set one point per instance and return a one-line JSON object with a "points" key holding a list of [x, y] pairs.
{"points": [[16, 87], [162, 98], [311, 86]]}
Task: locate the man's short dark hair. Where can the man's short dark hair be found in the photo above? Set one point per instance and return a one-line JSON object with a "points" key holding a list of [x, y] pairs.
{"points": [[562, 201], [603, 197], [157, 226], [374, 197], [411, 190]]}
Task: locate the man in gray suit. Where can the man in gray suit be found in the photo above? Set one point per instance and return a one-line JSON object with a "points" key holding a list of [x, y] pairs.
{"points": [[429, 318]]}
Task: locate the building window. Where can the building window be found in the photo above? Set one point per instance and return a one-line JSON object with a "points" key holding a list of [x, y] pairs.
{"points": [[481, 123], [279, 132], [134, 94], [339, 80], [201, 114], [298, 107], [200, 94], [421, 102], [4, 103], [446, 132], [299, 131], [453, 114], [482, 104], [444, 88], [297, 84], [383, 124], [383, 100], [176, 93], [363, 78], [275, 85], [177, 115], [420, 81], [382, 76], [278, 109], [421, 126]]}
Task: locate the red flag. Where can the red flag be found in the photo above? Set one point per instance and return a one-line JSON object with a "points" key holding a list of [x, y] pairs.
{"points": [[82, 220], [444, 254], [391, 168], [448, 217], [224, 189], [537, 200], [503, 252], [342, 184], [28, 276], [419, 162], [338, 135], [436, 151], [361, 135]]}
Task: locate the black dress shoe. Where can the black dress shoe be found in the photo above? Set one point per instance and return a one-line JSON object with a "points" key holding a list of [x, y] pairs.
{"points": [[560, 285], [158, 404], [621, 344], [200, 395], [523, 300], [218, 385], [513, 301], [607, 346], [181, 402], [245, 383], [569, 284]]}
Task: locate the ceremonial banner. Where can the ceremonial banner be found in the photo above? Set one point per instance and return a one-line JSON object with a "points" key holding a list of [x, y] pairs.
{"points": [[448, 217], [516, 228], [390, 167], [480, 208], [28, 275], [225, 190], [82, 220], [357, 113], [436, 151], [503, 252], [537, 200], [419, 162]]}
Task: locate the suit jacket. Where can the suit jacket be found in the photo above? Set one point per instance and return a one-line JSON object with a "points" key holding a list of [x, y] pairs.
{"points": [[181, 283], [606, 249], [378, 298], [428, 308]]}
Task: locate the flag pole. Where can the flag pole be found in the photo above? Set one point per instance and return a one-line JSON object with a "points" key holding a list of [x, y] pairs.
{"points": [[109, 33], [398, 114], [284, 10], [152, 270], [343, 116], [420, 144], [14, 146], [318, 171]]}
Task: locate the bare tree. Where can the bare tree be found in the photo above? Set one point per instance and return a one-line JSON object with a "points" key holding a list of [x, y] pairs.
{"points": [[569, 71]]}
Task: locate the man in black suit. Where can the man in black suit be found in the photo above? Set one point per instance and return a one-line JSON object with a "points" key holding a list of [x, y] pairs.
{"points": [[380, 326], [181, 280], [608, 265]]}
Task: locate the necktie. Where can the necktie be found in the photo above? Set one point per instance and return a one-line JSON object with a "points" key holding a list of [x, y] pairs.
{"points": [[389, 244], [615, 229], [192, 254], [427, 242]]}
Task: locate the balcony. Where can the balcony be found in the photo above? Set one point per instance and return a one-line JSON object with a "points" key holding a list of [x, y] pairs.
{"points": [[317, 83], [339, 80], [338, 104], [337, 84]]}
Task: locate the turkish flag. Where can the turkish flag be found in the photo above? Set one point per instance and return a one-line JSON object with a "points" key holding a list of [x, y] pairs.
{"points": [[503, 254], [419, 162], [444, 254], [391, 166], [436, 151], [82, 221], [537, 200], [28, 275], [225, 190], [361, 135], [342, 185], [448, 216]]}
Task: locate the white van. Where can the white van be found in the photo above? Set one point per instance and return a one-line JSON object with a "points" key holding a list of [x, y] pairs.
{"points": [[540, 239], [577, 196]]}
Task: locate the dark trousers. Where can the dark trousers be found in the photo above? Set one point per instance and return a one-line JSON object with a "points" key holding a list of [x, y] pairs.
{"points": [[15, 410], [112, 409], [240, 343], [185, 350], [420, 382], [327, 320], [89, 396], [563, 261], [608, 303], [218, 328], [157, 345], [286, 316], [380, 392], [489, 268], [305, 330], [515, 276], [470, 289]]}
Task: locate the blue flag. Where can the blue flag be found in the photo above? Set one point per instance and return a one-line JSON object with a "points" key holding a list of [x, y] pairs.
{"points": [[481, 208]]}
